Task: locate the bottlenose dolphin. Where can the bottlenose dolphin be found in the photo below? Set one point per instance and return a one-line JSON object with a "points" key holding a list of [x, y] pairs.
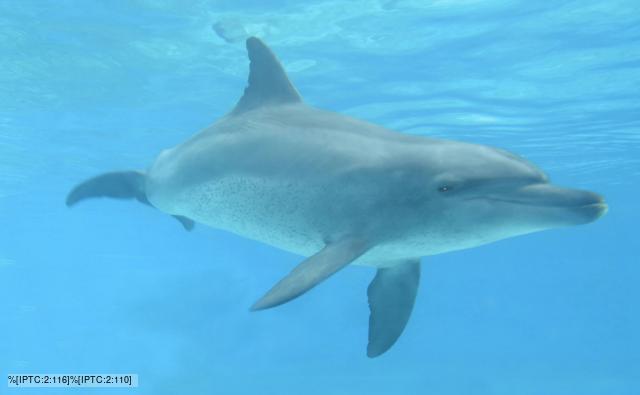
{"points": [[343, 191]]}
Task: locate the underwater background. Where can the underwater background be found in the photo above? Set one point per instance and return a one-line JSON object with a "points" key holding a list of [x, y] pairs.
{"points": [[115, 287]]}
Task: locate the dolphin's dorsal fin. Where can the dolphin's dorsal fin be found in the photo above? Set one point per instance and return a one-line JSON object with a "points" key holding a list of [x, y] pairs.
{"points": [[268, 82]]}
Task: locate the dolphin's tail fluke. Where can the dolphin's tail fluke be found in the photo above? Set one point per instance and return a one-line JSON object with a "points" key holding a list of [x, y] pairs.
{"points": [[117, 185]]}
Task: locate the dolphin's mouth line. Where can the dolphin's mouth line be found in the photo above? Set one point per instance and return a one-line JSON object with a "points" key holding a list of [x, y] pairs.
{"points": [[601, 205]]}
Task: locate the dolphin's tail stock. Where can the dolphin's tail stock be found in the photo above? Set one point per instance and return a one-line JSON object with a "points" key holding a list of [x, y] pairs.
{"points": [[117, 185]]}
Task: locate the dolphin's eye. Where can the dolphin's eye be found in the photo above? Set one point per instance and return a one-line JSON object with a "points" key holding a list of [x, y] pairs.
{"points": [[445, 188]]}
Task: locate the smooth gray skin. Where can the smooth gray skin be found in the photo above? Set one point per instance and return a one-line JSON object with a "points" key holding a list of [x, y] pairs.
{"points": [[344, 191], [296, 177]]}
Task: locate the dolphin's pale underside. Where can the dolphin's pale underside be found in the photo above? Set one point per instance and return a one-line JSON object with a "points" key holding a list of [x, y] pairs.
{"points": [[343, 191]]}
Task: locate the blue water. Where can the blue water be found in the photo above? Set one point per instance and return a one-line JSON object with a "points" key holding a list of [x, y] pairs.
{"points": [[115, 287]]}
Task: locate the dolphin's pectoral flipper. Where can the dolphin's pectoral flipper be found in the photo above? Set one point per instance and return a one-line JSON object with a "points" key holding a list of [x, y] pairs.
{"points": [[313, 270], [391, 293], [268, 82], [117, 185]]}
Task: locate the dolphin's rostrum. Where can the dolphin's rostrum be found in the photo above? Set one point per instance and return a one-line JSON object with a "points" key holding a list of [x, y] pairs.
{"points": [[343, 191]]}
